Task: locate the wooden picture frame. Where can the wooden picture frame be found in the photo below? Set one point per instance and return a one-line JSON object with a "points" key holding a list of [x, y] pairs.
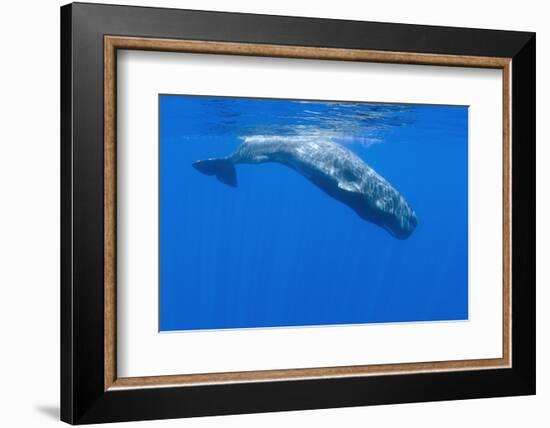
{"points": [[91, 390]]}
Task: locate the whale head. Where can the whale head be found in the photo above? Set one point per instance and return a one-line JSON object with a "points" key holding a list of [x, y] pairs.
{"points": [[400, 222], [391, 213]]}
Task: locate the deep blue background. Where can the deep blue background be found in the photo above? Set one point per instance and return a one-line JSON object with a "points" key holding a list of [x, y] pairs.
{"points": [[277, 251]]}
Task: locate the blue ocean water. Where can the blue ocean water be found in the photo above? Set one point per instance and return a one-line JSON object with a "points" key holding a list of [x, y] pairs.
{"points": [[277, 251]]}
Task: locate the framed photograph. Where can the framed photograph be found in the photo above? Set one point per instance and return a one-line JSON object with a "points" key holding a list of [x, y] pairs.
{"points": [[265, 213]]}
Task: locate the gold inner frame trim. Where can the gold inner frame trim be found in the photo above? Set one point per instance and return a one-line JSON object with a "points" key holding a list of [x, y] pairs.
{"points": [[113, 43]]}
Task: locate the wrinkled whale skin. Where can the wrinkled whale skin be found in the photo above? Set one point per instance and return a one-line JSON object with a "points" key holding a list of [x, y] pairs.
{"points": [[331, 167]]}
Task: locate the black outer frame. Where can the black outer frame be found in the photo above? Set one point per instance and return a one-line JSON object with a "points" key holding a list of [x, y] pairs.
{"points": [[83, 399]]}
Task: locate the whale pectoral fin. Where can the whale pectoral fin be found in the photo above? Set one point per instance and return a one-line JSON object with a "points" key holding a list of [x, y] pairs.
{"points": [[223, 169], [346, 185]]}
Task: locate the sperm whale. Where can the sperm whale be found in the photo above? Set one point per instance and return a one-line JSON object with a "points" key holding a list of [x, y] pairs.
{"points": [[330, 166]]}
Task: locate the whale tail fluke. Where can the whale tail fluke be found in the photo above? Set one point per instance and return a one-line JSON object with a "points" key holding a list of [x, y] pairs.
{"points": [[222, 168]]}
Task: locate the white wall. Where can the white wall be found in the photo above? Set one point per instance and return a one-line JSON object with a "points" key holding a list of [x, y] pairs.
{"points": [[29, 214]]}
